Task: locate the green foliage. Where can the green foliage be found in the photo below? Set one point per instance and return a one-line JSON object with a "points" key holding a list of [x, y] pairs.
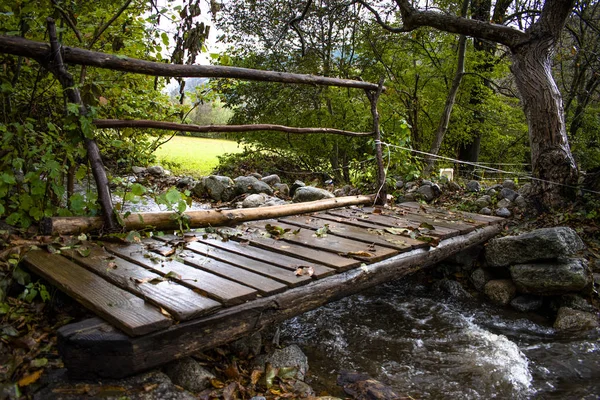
{"points": [[176, 202]]}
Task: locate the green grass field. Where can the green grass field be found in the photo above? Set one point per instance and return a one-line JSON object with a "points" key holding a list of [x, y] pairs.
{"points": [[196, 157]]}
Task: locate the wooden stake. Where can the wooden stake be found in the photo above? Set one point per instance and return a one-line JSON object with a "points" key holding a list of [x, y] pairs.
{"points": [[381, 197]]}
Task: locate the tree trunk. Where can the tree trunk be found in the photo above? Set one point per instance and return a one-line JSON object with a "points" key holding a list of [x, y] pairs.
{"points": [[551, 159]]}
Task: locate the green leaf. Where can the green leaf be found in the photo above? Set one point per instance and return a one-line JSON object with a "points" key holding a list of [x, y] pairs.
{"points": [[81, 172], [173, 196], [73, 108], [22, 277], [165, 38], [138, 189], [83, 251]]}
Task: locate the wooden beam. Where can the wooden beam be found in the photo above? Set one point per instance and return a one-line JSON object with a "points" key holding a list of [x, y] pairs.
{"points": [[173, 126], [197, 219], [72, 55], [91, 349]]}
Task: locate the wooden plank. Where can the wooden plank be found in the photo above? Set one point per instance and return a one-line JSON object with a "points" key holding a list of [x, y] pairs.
{"points": [[456, 219], [124, 310], [257, 253], [265, 286], [180, 301], [279, 274], [395, 222], [483, 219], [334, 244], [88, 358], [215, 287], [364, 235], [335, 261], [435, 219]]}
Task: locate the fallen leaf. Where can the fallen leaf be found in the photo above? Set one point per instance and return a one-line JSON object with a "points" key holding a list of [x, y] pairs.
{"points": [[112, 265], [377, 211], [166, 252], [31, 378], [232, 371], [255, 376], [165, 313], [217, 384], [83, 251], [229, 391], [427, 226], [190, 238], [172, 275]]}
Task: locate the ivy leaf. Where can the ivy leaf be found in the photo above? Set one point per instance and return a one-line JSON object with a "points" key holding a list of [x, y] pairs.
{"points": [[83, 251], [322, 232]]}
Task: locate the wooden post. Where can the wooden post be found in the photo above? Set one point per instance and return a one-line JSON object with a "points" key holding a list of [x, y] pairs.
{"points": [[56, 66], [381, 196]]}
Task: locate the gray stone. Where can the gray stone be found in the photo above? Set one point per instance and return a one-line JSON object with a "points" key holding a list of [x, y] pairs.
{"points": [[526, 190], [303, 389], [256, 175], [452, 288], [527, 303], [480, 277], [410, 196], [156, 170], [504, 203], [491, 192], [258, 398], [218, 188], [540, 244], [185, 182], [310, 193], [426, 182], [500, 291], [550, 278], [282, 188], [344, 191], [483, 201], [473, 186], [485, 211], [297, 184], [575, 302], [595, 264], [427, 192], [189, 374], [271, 179], [569, 319], [138, 170], [520, 202], [509, 184], [508, 194], [503, 212], [247, 346], [9, 391], [167, 172], [255, 200], [453, 186], [399, 185], [497, 187], [251, 185], [291, 356]]}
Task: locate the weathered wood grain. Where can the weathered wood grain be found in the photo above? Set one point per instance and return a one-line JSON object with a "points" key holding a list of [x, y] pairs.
{"points": [[124, 310]]}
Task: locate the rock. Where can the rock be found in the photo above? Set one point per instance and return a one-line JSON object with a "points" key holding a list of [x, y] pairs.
{"points": [[271, 179], [295, 186], [550, 278], [575, 302], [509, 184], [526, 190], [504, 203], [595, 264], [138, 170], [426, 182], [185, 182], [427, 192], [156, 170], [473, 186], [303, 389], [453, 186], [247, 346], [256, 175], [491, 192], [508, 194], [218, 188], [282, 188], [167, 172], [410, 196], [453, 288], [527, 303], [344, 191], [569, 319], [520, 202], [500, 291], [483, 201], [399, 184], [251, 185], [189, 374], [480, 277], [255, 200], [362, 387], [485, 211], [503, 212], [545, 243], [258, 398], [291, 356], [310, 193], [411, 186], [9, 391], [466, 258]]}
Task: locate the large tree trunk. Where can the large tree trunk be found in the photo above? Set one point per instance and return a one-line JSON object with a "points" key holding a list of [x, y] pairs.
{"points": [[553, 165]]}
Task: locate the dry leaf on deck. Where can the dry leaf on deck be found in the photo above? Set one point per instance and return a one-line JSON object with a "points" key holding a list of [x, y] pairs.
{"points": [[31, 378]]}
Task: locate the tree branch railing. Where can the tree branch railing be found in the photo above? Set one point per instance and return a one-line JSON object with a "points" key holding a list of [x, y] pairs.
{"points": [[42, 52]]}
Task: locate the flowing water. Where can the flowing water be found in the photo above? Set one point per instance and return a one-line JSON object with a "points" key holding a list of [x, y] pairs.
{"points": [[427, 346]]}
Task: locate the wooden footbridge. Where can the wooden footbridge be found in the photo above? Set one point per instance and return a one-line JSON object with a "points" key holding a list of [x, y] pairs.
{"points": [[170, 296]]}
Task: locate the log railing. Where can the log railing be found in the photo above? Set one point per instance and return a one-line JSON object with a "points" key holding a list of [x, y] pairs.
{"points": [[51, 58]]}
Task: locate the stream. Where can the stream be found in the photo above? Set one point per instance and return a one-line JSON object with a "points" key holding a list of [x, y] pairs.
{"points": [[428, 346]]}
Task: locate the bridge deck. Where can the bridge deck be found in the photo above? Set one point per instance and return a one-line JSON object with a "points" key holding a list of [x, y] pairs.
{"points": [[169, 296]]}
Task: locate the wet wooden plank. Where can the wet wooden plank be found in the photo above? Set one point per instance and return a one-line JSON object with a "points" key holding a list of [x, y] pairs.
{"points": [[331, 243], [264, 255], [335, 261], [480, 218], [180, 301], [265, 286], [394, 222], [435, 219], [223, 290], [364, 235], [279, 274], [124, 310]]}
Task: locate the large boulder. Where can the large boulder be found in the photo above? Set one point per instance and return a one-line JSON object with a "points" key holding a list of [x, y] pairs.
{"points": [[508, 194], [189, 374], [473, 186], [500, 291], [261, 200], [295, 186], [541, 244], [218, 188], [429, 192], [527, 303], [551, 278], [288, 357], [251, 185], [271, 179], [480, 277], [310, 193], [569, 319]]}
